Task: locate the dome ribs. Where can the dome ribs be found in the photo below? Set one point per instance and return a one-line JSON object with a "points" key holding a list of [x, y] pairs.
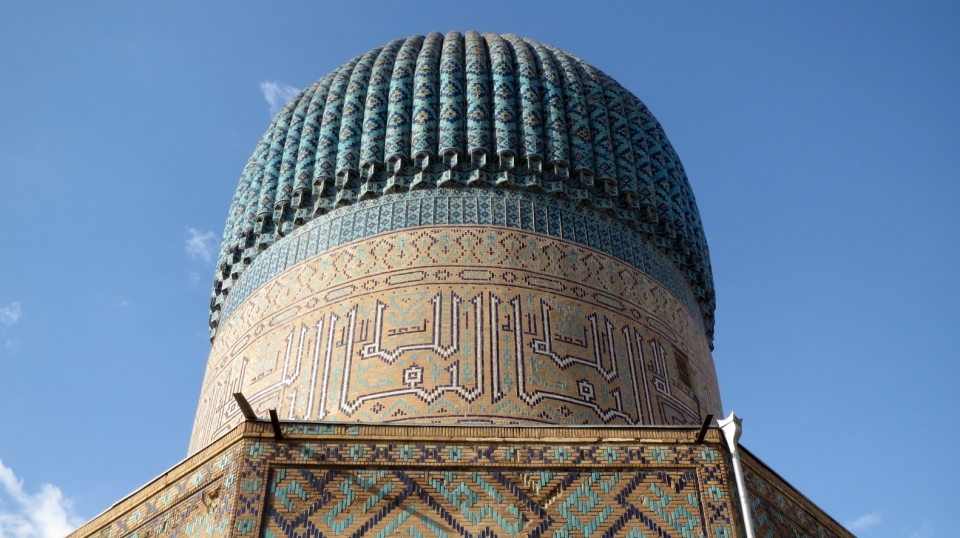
{"points": [[234, 225], [673, 196], [452, 139], [479, 100], [351, 130], [399, 115], [324, 171], [580, 136], [623, 147], [554, 119], [648, 219], [425, 111], [247, 234], [374, 130], [265, 226], [656, 167], [531, 116], [230, 243], [504, 108], [307, 152], [605, 167], [283, 210], [466, 110]]}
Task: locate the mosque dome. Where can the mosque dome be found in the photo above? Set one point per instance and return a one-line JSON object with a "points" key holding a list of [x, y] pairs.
{"points": [[466, 112], [462, 229]]}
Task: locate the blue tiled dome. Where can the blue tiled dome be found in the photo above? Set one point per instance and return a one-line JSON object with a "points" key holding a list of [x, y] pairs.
{"points": [[466, 111]]}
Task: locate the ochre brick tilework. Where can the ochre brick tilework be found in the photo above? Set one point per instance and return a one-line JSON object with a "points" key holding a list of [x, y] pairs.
{"points": [[460, 324], [780, 510], [476, 502], [337, 480]]}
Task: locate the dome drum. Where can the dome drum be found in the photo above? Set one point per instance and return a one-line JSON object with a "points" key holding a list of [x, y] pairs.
{"points": [[461, 306]]}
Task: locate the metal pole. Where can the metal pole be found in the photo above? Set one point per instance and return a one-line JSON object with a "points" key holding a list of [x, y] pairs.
{"points": [[731, 427]]}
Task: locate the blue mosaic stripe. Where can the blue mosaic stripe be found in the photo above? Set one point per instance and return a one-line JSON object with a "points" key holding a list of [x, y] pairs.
{"points": [[512, 209]]}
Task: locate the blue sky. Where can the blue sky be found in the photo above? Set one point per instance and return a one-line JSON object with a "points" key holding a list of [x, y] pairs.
{"points": [[821, 140]]}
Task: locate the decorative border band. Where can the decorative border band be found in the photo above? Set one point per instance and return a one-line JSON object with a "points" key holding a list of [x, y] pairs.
{"points": [[445, 207]]}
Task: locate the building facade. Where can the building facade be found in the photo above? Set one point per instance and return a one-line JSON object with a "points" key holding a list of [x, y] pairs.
{"points": [[466, 278]]}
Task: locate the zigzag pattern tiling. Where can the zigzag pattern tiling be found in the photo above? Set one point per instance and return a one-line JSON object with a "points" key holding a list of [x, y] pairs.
{"points": [[335, 480], [475, 502], [438, 489]]}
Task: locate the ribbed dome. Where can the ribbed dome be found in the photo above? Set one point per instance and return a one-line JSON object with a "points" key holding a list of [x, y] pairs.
{"points": [[466, 111]]}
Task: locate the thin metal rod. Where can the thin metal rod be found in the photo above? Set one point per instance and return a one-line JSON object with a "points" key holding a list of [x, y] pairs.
{"points": [[703, 428], [244, 406], [277, 434], [731, 428]]}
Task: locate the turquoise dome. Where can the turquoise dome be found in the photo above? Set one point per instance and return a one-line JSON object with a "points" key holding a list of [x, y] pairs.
{"points": [[466, 111]]}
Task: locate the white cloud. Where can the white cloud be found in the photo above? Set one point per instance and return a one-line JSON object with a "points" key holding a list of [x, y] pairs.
{"points": [[10, 313], [193, 277], [923, 532], [864, 522], [200, 245], [41, 515], [11, 345], [277, 94]]}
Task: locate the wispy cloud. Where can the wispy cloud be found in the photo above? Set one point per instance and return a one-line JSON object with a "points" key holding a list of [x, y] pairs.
{"points": [[10, 314], [277, 94], [40, 515], [200, 245], [193, 278], [923, 532], [864, 522]]}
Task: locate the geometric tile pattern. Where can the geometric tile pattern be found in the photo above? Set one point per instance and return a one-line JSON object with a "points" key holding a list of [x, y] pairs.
{"points": [[469, 112], [498, 208], [197, 505], [460, 324], [476, 502], [336, 480], [488, 489], [779, 510]]}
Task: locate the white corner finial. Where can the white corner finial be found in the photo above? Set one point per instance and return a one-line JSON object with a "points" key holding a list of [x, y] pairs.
{"points": [[732, 428]]}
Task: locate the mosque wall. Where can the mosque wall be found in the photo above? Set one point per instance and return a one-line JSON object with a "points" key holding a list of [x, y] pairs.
{"points": [[447, 318], [327, 480], [344, 480]]}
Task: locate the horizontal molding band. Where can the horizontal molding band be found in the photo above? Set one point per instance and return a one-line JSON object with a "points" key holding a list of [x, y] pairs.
{"points": [[510, 209]]}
